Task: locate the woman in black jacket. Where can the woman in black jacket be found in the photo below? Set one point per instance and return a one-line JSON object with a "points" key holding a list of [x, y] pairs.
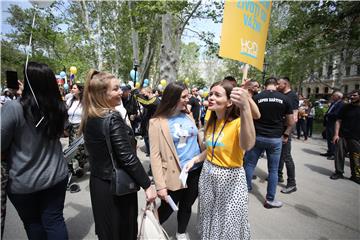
{"points": [[115, 216]]}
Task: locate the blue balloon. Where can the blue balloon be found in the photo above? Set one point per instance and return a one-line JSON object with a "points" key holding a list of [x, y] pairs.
{"points": [[132, 74], [66, 86], [146, 81], [62, 74], [145, 85]]}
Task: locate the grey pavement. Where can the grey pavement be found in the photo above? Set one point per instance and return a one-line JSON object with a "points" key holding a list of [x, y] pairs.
{"points": [[321, 208]]}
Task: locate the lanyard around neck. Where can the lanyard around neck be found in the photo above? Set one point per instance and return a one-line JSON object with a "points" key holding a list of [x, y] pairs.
{"points": [[213, 144]]}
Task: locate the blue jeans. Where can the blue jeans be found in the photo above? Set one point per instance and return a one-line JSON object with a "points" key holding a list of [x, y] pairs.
{"points": [[42, 212], [272, 146]]}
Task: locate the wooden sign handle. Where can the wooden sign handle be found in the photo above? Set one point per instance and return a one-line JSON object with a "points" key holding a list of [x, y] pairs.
{"points": [[245, 72]]}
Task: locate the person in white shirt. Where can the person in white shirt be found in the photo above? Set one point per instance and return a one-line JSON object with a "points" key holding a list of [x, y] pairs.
{"points": [[75, 109], [122, 110]]}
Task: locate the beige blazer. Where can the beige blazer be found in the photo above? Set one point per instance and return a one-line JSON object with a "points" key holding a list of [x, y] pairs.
{"points": [[165, 164]]}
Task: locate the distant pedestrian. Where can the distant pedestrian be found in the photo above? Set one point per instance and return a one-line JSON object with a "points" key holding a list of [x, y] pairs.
{"points": [[149, 103], [30, 137], [74, 106], [195, 105], [302, 120], [286, 157], [347, 128], [310, 119], [330, 118]]}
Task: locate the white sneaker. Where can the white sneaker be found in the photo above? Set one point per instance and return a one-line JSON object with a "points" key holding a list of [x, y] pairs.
{"points": [[273, 204], [181, 236]]}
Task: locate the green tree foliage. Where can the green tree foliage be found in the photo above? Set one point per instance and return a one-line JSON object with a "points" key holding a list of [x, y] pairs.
{"points": [[304, 35]]}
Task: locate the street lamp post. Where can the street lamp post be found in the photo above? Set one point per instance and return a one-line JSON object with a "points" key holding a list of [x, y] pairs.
{"points": [[135, 69]]}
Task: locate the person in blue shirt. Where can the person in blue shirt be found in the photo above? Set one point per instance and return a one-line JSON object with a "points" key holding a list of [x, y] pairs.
{"points": [[174, 142]]}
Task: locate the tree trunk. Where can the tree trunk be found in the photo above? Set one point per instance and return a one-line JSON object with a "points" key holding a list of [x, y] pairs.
{"points": [[99, 50], [148, 55], [134, 37], [172, 31], [89, 30], [169, 57]]}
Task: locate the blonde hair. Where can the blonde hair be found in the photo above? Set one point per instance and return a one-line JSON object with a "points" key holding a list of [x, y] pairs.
{"points": [[95, 101]]}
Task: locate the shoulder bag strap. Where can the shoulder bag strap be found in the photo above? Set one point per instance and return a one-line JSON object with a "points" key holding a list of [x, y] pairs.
{"points": [[106, 126]]}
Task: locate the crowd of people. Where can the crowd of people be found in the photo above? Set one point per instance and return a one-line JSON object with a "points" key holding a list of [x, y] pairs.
{"points": [[215, 140]]}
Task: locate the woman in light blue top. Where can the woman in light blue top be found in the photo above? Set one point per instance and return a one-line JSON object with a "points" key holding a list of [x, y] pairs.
{"points": [[174, 141]]}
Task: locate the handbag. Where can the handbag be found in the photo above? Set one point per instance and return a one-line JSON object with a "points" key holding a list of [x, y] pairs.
{"points": [[149, 227], [121, 182]]}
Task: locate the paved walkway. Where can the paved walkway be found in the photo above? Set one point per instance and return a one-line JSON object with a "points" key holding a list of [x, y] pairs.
{"points": [[320, 209]]}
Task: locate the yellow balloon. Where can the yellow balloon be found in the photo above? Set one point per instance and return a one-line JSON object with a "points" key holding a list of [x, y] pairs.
{"points": [[137, 85], [187, 80], [206, 94], [163, 82], [73, 70]]}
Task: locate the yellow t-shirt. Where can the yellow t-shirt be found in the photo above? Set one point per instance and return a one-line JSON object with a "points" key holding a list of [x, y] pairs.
{"points": [[207, 115], [227, 152]]}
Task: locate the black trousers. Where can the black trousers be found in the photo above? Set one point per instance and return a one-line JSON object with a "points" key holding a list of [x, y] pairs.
{"points": [[309, 126], [115, 217], [4, 180], [42, 212], [287, 160], [185, 198], [330, 130], [301, 126]]}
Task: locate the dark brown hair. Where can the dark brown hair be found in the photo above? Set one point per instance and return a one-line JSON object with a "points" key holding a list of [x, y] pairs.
{"points": [[169, 100], [231, 112]]}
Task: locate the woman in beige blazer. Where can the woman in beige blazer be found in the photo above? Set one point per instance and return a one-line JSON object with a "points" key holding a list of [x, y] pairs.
{"points": [[174, 141]]}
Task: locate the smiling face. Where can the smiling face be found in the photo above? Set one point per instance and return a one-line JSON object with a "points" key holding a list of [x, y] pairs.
{"points": [[75, 90], [218, 100], [114, 93], [183, 101]]}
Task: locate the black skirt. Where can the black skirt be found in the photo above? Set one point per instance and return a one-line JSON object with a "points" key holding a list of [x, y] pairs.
{"points": [[115, 217]]}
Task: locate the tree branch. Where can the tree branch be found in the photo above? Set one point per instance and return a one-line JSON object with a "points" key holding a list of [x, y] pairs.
{"points": [[188, 17], [197, 33]]}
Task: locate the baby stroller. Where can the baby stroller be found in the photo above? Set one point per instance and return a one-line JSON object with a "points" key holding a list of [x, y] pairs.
{"points": [[68, 155]]}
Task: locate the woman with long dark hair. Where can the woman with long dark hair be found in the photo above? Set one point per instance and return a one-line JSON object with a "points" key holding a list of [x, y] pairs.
{"points": [[223, 194], [30, 139], [115, 216], [174, 142], [74, 106]]}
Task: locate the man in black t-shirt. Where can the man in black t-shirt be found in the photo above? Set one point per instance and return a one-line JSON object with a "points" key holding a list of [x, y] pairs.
{"points": [[286, 158], [273, 107], [195, 105], [347, 128]]}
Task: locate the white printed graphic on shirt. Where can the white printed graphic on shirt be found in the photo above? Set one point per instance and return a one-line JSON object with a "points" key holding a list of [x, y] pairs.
{"points": [[182, 134]]}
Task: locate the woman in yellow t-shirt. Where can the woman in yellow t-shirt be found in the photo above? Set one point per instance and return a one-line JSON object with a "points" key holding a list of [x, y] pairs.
{"points": [[223, 194]]}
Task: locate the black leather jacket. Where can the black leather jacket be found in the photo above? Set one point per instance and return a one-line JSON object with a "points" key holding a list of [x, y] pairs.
{"points": [[124, 155]]}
